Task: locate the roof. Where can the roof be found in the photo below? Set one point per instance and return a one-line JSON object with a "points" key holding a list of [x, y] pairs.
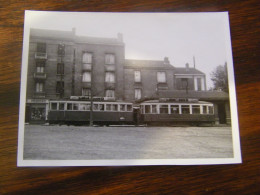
{"points": [[71, 36], [201, 95], [129, 63], [178, 70]]}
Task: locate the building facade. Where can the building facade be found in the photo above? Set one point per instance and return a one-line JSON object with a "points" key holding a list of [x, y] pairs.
{"points": [[64, 66]]}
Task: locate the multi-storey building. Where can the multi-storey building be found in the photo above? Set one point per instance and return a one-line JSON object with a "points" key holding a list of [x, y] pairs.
{"points": [[63, 65]]}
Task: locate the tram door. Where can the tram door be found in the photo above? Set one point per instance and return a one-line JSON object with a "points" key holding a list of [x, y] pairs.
{"points": [[136, 116]]}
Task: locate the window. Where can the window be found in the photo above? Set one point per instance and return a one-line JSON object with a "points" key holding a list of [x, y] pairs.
{"points": [[163, 109], [137, 76], [204, 109], [86, 77], [40, 69], [122, 107], [84, 106], [195, 109], [41, 47], [175, 109], [108, 107], [114, 107], [60, 87], [110, 93], [75, 106], [129, 107], [87, 58], [161, 77], [138, 94], [39, 87], [61, 49], [110, 59], [110, 77], [185, 109], [147, 109], [61, 106], [154, 109], [199, 84], [54, 106], [60, 68], [86, 92], [69, 106], [211, 111]]}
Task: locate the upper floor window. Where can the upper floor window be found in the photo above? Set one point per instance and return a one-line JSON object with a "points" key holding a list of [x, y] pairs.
{"points": [[39, 87], [40, 69], [87, 58], [86, 77], [60, 87], [110, 77], [41, 47], [161, 77], [137, 76], [61, 49], [60, 68], [110, 59], [138, 94]]}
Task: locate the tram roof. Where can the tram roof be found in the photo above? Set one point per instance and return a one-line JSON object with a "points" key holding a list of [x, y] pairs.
{"points": [[200, 95]]}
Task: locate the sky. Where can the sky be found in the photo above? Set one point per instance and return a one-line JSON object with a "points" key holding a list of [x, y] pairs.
{"points": [[150, 36]]}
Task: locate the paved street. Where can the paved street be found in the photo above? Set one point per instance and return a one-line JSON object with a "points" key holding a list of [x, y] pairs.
{"points": [[81, 142]]}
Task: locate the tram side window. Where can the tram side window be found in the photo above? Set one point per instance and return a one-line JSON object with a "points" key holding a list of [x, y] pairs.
{"points": [[75, 106], [101, 107], [114, 107], [96, 107], [204, 109], [175, 109], [154, 110], [163, 109], [185, 109], [84, 106], [69, 106], [147, 109], [54, 106], [61, 106], [121, 107], [211, 110], [195, 109], [108, 107], [129, 108]]}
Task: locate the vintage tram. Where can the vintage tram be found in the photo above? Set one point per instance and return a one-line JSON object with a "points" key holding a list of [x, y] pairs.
{"points": [[188, 112], [80, 112]]}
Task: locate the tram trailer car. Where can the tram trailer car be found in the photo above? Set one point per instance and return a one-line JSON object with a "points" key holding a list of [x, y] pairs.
{"points": [[78, 112], [155, 112]]}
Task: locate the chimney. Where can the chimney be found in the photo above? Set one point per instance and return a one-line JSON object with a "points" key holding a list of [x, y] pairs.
{"points": [[187, 66], [120, 37], [166, 60]]}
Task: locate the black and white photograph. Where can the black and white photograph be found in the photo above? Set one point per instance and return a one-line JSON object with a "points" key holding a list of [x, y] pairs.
{"points": [[111, 89]]}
